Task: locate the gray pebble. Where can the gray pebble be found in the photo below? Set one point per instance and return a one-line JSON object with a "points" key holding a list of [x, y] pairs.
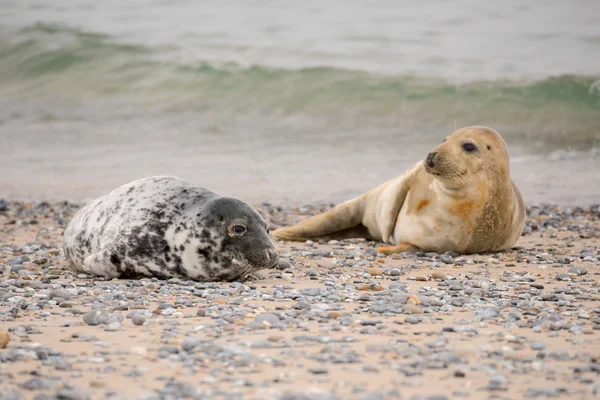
{"points": [[544, 392], [537, 346], [138, 319], [63, 294], [486, 313], [578, 270], [412, 319], [270, 318], [96, 317], [497, 382], [73, 393]]}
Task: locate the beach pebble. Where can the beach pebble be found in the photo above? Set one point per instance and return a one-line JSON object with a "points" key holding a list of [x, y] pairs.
{"points": [[96, 317], [578, 270], [4, 339]]}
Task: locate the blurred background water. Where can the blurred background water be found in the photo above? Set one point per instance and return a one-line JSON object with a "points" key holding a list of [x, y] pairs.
{"points": [[288, 100]]}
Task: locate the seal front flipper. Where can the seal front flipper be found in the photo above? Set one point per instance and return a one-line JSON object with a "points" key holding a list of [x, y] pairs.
{"points": [[103, 263], [339, 222]]}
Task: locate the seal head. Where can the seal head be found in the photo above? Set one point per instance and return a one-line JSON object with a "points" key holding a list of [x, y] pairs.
{"points": [[245, 246], [470, 153]]}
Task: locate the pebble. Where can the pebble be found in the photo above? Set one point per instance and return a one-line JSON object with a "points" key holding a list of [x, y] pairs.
{"points": [[96, 317], [486, 313], [138, 319], [4, 339], [271, 319], [497, 382], [537, 346], [412, 320], [544, 392], [578, 270], [413, 309]]}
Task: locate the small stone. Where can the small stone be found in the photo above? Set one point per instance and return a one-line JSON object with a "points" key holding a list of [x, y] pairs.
{"points": [[72, 393], [334, 314], [578, 270], [412, 319], [460, 373], [190, 343], [413, 309], [4, 339], [375, 271], [537, 286], [63, 294], [113, 326], [438, 275], [486, 313], [583, 315], [497, 382], [544, 392], [318, 371], [271, 319], [96, 317], [373, 287], [283, 264], [138, 319], [537, 346]]}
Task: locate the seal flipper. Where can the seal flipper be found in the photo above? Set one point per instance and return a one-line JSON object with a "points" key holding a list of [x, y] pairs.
{"points": [[102, 263], [342, 221], [404, 247]]}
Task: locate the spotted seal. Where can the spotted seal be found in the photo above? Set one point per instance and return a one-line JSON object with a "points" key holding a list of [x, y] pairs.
{"points": [[166, 227], [459, 198]]}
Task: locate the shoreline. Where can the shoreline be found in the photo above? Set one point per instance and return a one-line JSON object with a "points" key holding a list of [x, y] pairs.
{"points": [[341, 322]]}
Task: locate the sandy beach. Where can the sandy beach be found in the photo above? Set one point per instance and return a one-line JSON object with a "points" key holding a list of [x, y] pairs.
{"points": [[340, 322]]}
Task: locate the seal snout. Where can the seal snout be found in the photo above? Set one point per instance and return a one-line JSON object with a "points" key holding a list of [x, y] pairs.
{"points": [[430, 160], [272, 256]]}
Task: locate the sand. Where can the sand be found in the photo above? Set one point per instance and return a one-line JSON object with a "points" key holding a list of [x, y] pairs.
{"points": [[542, 342]]}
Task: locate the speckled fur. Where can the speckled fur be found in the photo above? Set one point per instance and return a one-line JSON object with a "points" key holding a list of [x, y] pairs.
{"points": [[166, 227]]}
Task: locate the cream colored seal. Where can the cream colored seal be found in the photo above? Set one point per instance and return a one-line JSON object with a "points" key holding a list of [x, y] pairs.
{"points": [[460, 198]]}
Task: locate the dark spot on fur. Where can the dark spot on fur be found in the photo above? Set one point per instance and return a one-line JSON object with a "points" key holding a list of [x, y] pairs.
{"points": [[131, 189], [204, 252], [182, 247], [116, 261]]}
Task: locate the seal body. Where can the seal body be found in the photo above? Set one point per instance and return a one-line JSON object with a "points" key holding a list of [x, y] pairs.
{"points": [[459, 198], [166, 227]]}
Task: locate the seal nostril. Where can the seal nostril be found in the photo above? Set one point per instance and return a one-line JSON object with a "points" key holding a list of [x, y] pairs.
{"points": [[430, 158]]}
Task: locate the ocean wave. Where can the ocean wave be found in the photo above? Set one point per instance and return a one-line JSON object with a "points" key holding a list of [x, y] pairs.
{"points": [[54, 60]]}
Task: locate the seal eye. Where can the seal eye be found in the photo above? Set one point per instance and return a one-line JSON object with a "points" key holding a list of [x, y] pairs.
{"points": [[238, 229], [469, 147]]}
